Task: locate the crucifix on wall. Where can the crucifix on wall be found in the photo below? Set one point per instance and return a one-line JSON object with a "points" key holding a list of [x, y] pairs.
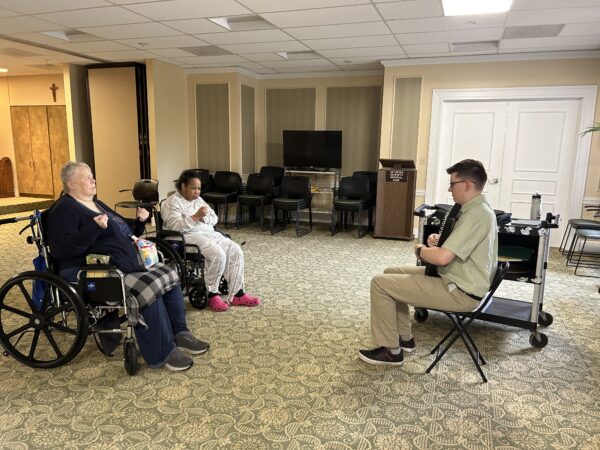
{"points": [[54, 88]]}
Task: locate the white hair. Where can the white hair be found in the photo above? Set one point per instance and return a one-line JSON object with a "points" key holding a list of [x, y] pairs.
{"points": [[67, 171]]}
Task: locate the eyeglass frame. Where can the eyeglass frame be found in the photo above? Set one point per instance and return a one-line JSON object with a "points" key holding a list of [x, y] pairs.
{"points": [[452, 183]]}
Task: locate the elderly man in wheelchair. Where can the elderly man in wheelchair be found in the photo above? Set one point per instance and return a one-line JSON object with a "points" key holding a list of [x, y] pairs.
{"points": [[76, 226]]}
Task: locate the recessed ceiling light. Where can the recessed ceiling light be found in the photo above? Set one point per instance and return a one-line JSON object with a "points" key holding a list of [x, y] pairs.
{"points": [[3, 70], [470, 7], [222, 22]]}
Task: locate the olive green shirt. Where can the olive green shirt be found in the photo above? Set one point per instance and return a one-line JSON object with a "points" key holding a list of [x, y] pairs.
{"points": [[474, 241]]}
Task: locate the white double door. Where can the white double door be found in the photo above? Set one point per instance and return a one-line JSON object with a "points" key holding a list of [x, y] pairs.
{"points": [[526, 146]]}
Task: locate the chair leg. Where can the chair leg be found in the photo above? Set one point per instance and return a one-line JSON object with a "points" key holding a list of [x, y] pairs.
{"points": [[298, 221], [239, 218], [580, 253], [565, 239], [333, 222], [361, 232]]}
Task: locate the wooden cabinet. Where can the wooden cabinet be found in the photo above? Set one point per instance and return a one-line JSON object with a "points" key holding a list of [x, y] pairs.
{"points": [[41, 147]]}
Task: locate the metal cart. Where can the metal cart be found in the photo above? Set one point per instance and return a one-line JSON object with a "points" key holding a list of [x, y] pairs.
{"points": [[529, 234]]}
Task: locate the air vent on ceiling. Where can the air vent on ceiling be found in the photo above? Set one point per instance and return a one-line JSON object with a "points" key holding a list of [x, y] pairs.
{"points": [[17, 53], [474, 46], [71, 35], [247, 23], [206, 50], [533, 31], [307, 54]]}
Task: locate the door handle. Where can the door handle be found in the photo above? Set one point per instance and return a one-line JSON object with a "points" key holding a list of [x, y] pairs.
{"points": [[494, 181]]}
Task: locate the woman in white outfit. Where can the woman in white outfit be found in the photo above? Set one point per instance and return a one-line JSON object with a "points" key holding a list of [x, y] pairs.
{"points": [[185, 211]]}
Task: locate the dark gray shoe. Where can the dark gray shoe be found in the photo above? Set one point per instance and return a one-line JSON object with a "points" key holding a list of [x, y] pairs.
{"points": [[190, 344], [178, 361], [408, 346]]}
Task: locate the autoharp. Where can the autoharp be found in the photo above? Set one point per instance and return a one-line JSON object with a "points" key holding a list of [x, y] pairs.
{"points": [[431, 270]]}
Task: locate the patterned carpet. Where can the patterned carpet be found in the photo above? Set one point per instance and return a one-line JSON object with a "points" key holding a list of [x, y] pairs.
{"points": [[286, 375]]}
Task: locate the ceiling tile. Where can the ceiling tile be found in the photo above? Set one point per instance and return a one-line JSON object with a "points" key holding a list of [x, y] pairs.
{"points": [[325, 16], [170, 52], [23, 24], [419, 49], [553, 16], [245, 37], [410, 9], [334, 31], [189, 9], [298, 63], [567, 41], [261, 6], [211, 59], [127, 55], [308, 69], [37, 6], [112, 15], [195, 26], [355, 42], [541, 4], [447, 23], [91, 47], [374, 52], [484, 34], [580, 29], [286, 46], [47, 40], [7, 13], [271, 56], [132, 30], [163, 42], [125, 2]]}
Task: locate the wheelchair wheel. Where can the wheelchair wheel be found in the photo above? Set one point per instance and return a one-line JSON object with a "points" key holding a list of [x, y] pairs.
{"points": [[171, 258], [198, 295], [130, 357], [44, 336]]}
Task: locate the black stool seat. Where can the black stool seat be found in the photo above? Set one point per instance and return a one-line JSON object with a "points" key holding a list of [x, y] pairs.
{"points": [[255, 199], [290, 203], [349, 204]]}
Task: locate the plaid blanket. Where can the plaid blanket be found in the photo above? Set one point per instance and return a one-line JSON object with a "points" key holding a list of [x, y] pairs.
{"points": [[144, 288]]}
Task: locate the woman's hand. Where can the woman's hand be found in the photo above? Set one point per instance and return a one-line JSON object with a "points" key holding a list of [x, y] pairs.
{"points": [[102, 221], [142, 214], [433, 239], [201, 213]]}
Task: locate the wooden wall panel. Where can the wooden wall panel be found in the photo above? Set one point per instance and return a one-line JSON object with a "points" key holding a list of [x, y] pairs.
{"points": [[59, 143], [357, 112], [40, 150], [287, 109], [22, 144], [212, 126], [248, 130]]}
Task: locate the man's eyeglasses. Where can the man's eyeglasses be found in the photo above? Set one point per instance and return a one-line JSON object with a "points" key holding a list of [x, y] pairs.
{"points": [[452, 183]]}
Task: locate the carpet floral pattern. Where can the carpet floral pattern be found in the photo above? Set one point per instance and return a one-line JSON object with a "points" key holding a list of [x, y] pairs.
{"points": [[286, 375]]}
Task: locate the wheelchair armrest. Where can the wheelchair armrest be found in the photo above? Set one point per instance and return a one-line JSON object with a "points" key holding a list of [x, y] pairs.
{"points": [[168, 233]]}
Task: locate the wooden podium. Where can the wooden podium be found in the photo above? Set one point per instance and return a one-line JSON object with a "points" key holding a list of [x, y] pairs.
{"points": [[396, 184]]}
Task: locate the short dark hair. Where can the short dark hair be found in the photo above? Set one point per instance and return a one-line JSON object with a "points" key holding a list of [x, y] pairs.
{"points": [[470, 169], [187, 176]]}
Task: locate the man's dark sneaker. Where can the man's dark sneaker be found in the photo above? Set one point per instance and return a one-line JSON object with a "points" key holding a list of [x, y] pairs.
{"points": [[408, 346], [381, 356], [177, 361], [190, 344]]}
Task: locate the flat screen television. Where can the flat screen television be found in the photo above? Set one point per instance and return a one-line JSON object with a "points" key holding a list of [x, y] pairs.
{"points": [[312, 149]]}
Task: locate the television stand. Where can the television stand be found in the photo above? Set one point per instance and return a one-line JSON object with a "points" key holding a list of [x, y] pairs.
{"points": [[323, 183]]}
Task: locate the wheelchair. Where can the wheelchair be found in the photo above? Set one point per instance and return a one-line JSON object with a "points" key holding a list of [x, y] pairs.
{"points": [[187, 260], [45, 321]]}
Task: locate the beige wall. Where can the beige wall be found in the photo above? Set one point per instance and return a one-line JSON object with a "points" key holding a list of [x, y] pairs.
{"points": [[168, 123], [24, 91], [564, 72], [320, 84], [78, 115]]}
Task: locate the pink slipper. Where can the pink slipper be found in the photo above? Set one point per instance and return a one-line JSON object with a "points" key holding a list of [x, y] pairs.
{"points": [[246, 300], [217, 304]]}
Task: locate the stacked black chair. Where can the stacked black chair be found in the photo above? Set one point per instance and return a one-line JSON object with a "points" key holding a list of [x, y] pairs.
{"points": [[145, 195], [461, 322], [206, 180], [225, 190], [372, 177], [353, 196], [277, 173], [295, 196], [259, 193]]}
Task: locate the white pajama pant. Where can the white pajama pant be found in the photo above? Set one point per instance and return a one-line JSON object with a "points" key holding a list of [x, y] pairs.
{"points": [[223, 257]]}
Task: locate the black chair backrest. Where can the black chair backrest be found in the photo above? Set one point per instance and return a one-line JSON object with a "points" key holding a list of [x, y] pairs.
{"points": [[354, 188], [277, 173], [258, 184], [145, 190], [372, 176], [226, 182], [295, 187]]}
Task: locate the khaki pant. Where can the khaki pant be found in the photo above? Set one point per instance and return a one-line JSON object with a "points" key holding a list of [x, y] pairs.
{"points": [[397, 288]]}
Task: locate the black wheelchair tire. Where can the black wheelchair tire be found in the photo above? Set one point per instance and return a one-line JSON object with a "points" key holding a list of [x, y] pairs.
{"points": [[172, 258], [68, 316], [198, 295], [130, 357]]}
